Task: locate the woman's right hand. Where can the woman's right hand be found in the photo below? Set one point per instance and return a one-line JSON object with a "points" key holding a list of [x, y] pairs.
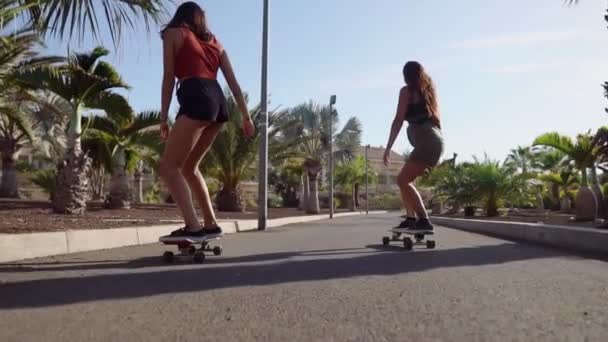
{"points": [[248, 128], [387, 157], [164, 130]]}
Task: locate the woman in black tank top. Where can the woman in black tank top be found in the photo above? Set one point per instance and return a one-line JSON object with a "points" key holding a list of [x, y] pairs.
{"points": [[418, 106]]}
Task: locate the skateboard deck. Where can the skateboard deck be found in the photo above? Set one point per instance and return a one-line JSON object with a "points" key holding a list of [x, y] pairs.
{"points": [[178, 240], [187, 247], [411, 232]]}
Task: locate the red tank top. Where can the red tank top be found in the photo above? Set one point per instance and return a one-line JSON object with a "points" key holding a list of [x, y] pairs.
{"points": [[197, 58]]}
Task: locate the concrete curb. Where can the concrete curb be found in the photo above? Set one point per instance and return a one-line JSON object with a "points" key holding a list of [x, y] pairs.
{"points": [[577, 239], [14, 247]]}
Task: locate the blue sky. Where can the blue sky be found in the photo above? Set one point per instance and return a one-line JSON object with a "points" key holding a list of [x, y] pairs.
{"points": [[506, 71]]}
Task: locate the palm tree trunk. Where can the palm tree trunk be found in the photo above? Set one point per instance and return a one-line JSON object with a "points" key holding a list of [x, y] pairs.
{"points": [[599, 197], [139, 183], [120, 192], [72, 174], [305, 192], [313, 197], [230, 198], [353, 200], [555, 195], [9, 188], [98, 182], [356, 194]]}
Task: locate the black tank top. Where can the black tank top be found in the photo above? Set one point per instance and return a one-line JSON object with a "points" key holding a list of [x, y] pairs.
{"points": [[417, 112]]}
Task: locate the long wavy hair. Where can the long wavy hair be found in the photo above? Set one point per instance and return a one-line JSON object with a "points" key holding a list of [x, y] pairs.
{"points": [[192, 16], [419, 81]]}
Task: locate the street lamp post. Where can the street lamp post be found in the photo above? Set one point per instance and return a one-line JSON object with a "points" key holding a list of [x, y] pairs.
{"points": [[263, 171], [366, 183], [332, 102]]}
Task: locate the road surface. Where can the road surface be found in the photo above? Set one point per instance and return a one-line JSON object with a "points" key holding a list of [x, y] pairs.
{"points": [[325, 281]]}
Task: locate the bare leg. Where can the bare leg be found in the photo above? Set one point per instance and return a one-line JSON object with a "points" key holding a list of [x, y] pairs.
{"points": [[194, 177], [412, 198], [181, 140]]}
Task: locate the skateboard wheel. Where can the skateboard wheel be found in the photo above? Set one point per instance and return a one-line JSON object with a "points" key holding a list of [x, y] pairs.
{"points": [[430, 244], [386, 240], [199, 257], [217, 250], [408, 244], [168, 257]]}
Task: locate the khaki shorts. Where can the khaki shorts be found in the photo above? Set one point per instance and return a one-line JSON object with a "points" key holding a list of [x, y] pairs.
{"points": [[427, 141]]}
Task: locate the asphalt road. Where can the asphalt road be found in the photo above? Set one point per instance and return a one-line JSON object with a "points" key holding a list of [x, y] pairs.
{"points": [[326, 281]]}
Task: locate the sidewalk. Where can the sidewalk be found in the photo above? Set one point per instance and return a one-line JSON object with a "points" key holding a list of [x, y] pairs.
{"points": [[577, 239], [14, 247]]}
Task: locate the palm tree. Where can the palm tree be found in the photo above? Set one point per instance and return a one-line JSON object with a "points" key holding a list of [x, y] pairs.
{"points": [[550, 161], [494, 183], [521, 159], [350, 174], [119, 141], [565, 181], [582, 153], [231, 158], [85, 83], [31, 122], [65, 18], [20, 110], [314, 131], [286, 179]]}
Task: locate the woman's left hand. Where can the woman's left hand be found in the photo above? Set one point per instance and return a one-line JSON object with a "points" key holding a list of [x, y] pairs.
{"points": [[248, 128]]}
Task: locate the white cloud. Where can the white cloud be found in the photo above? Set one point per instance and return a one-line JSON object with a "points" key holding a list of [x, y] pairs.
{"points": [[517, 39]]}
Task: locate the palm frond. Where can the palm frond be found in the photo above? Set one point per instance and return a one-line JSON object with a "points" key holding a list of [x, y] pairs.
{"points": [[66, 18]]}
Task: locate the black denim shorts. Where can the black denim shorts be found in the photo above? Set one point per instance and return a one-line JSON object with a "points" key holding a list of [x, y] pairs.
{"points": [[202, 99]]}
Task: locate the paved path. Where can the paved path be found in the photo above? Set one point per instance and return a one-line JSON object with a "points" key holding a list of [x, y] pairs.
{"points": [[327, 281]]}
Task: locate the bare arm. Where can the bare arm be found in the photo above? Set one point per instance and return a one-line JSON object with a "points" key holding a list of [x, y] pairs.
{"points": [[170, 39], [399, 118], [228, 72]]}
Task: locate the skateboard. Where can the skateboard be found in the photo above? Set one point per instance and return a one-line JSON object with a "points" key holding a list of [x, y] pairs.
{"points": [[187, 247], [408, 243]]}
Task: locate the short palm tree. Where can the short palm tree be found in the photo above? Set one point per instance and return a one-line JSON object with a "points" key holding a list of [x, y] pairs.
{"points": [[85, 83], [350, 174], [521, 159], [582, 153], [232, 157], [314, 131], [119, 141], [565, 181]]}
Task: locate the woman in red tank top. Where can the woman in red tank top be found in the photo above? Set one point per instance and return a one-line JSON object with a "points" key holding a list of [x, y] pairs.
{"points": [[193, 56]]}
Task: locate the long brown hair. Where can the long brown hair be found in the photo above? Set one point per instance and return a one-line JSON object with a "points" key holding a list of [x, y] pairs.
{"points": [[419, 81], [192, 16]]}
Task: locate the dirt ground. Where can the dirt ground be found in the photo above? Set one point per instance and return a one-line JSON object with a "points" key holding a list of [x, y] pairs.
{"points": [[36, 216]]}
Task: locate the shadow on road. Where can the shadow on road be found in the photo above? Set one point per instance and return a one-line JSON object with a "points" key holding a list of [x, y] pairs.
{"points": [[234, 272]]}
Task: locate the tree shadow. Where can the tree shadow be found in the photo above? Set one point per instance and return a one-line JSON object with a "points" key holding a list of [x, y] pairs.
{"points": [[233, 273]]}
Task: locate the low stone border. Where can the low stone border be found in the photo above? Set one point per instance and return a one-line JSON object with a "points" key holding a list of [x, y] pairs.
{"points": [[584, 240], [14, 247]]}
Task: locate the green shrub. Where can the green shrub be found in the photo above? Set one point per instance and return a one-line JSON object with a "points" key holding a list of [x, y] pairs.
{"points": [[45, 179], [385, 201], [152, 193], [274, 201]]}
